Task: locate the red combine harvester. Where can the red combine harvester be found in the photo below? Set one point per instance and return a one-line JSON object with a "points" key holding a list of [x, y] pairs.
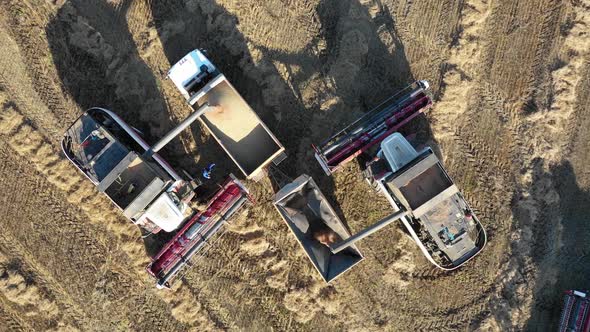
{"points": [[576, 312], [373, 127], [144, 186], [147, 190], [421, 193]]}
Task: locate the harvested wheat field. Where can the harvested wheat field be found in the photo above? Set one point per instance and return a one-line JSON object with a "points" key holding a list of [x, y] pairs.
{"points": [[510, 119]]}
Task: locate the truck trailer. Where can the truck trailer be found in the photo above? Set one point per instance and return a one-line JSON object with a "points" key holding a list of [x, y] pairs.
{"points": [[234, 125], [307, 212]]}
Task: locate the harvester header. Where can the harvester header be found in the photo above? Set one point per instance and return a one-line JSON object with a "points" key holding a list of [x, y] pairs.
{"points": [[373, 127]]}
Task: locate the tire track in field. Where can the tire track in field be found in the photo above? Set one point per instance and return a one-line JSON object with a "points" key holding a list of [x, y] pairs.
{"points": [[490, 163], [11, 321], [472, 174], [537, 145], [87, 259], [68, 307], [22, 291], [566, 82], [15, 81], [27, 21], [458, 81]]}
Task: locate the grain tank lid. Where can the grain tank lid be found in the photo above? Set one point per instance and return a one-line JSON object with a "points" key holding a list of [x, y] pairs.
{"points": [[164, 213]]}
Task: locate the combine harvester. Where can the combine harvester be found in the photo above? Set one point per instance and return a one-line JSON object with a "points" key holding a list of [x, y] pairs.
{"points": [[427, 202], [575, 316], [420, 191], [144, 186]]}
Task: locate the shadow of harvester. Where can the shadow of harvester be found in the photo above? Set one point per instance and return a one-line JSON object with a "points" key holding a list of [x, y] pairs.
{"points": [[561, 248]]}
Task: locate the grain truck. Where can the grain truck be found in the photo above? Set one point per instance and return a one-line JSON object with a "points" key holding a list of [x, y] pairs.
{"points": [[234, 125]]}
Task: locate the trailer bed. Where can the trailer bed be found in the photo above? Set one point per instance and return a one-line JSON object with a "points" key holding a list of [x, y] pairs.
{"points": [[237, 128], [305, 209]]}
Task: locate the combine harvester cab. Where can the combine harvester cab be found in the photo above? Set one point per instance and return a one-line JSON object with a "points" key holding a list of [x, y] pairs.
{"points": [[146, 188], [234, 125], [372, 128], [439, 219], [307, 213], [575, 316]]}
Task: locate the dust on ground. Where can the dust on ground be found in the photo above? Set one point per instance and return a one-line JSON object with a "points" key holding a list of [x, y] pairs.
{"points": [[510, 120]]}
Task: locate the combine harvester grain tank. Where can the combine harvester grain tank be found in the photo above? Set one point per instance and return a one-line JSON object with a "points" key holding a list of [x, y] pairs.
{"points": [[427, 202], [243, 136]]}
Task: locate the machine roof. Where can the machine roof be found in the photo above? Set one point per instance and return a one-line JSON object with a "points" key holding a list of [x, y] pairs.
{"points": [[95, 151], [450, 229]]}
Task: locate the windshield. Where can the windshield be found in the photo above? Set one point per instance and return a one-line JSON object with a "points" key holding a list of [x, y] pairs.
{"points": [[92, 148]]}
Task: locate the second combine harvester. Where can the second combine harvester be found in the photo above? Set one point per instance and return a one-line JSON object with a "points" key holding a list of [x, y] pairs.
{"points": [[415, 183]]}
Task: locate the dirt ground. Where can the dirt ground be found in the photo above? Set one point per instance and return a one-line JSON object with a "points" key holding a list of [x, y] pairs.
{"points": [[510, 120]]}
